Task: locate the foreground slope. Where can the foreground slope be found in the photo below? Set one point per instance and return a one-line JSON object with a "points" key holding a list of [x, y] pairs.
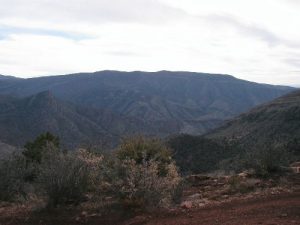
{"points": [[196, 102]]}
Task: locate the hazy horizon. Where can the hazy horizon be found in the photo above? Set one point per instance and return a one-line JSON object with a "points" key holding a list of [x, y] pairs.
{"points": [[251, 40]]}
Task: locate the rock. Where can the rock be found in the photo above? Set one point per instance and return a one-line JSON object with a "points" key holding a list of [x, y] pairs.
{"points": [[108, 198], [186, 205], [194, 196], [84, 213], [243, 175], [201, 204]]}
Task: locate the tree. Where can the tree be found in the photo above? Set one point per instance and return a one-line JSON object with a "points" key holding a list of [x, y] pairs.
{"points": [[34, 150]]}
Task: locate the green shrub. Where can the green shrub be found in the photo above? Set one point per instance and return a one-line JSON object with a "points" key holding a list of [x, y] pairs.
{"points": [[267, 159], [140, 149], [34, 150]]}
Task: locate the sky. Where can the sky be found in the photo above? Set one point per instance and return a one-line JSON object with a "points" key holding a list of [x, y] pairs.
{"points": [[251, 39]]}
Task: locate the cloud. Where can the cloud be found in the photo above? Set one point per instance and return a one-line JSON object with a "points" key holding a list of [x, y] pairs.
{"points": [[250, 30], [91, 11], [294, 2], [254, 40], [124, 53], [293, 62], [6, 31]]}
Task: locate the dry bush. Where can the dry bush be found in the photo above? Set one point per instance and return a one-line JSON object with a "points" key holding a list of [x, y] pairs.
{"points": [[66, 178], [143, 174], [13, 172], [140, 185], [94, 164]]}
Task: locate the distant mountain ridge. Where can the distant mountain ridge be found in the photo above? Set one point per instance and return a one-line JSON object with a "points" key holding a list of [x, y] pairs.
{"points": [[275, 121], [114, 104], [23, 119], [272, 125]]}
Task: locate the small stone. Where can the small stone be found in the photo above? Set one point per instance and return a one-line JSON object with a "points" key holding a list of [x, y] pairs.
{"points": [[201, 204], [243, 175], [225, 196], [186, 205], [84, 213], [195, 196]]}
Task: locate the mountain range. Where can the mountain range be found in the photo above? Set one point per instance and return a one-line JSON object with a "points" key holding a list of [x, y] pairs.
{"points": [[22, 119], [102, 107], [268, 126], [275, 121]]}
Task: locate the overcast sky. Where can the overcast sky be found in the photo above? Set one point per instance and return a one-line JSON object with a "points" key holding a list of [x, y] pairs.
{"points": [[257, 40]]}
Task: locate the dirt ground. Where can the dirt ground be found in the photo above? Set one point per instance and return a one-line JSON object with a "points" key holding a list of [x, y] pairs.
{"points": [[274, 206], [279, 209]]}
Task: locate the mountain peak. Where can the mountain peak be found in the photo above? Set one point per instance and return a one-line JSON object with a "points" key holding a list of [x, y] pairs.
{"points": [[45, 98]]}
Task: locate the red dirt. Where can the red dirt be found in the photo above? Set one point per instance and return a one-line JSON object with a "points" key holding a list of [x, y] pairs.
{"points": [[281, 209]]}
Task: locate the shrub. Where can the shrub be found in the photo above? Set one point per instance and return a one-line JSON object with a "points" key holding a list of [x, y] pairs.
{"points": [[232, 165], [141, 185], [142, 149], [65, 178], [143, 175], [13, 172], [267, 159]]}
